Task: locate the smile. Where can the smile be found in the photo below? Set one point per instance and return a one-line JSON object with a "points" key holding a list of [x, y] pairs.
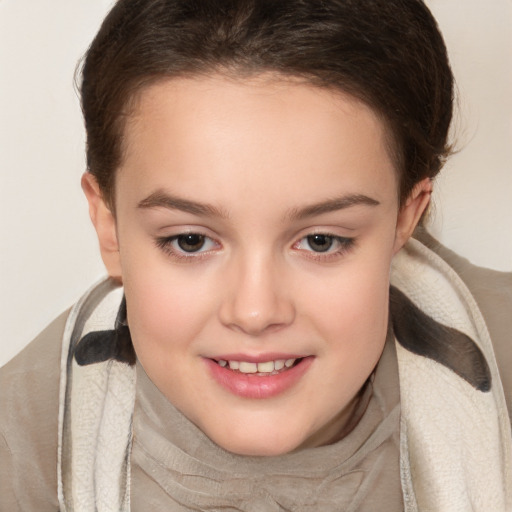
{"points": [[262, 379], [264, 368]]}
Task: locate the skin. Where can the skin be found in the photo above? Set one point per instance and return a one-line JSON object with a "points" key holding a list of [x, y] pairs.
{"points": [[259, 153]]}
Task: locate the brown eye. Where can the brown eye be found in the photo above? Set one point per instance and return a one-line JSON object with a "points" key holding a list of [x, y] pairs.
{"points": [[320, 243], [190, 242]]}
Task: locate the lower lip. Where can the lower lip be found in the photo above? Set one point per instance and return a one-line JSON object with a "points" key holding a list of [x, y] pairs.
{"points": [[254, 386]]}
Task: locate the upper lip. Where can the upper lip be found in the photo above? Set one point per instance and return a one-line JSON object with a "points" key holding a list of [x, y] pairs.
{"points": [[259, 358]]}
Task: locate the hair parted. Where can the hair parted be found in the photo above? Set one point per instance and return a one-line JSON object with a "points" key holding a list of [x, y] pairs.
{"points": [[387, 53]]}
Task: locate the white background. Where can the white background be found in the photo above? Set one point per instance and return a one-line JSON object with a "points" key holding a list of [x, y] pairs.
{"points": [[48, 251]]}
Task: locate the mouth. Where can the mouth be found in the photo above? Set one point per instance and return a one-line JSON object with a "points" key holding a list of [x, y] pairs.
{"points": [[261, 369], [259, 379]]}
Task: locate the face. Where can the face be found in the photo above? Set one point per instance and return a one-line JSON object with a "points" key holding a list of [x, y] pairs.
{"points": [[255, 226]]}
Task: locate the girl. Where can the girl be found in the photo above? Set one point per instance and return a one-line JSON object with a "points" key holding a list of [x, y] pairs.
{"points": [[270, 338]]}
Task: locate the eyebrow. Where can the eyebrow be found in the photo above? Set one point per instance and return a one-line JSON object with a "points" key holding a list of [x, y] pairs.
{"points": [[331, 205], [161, 199]]}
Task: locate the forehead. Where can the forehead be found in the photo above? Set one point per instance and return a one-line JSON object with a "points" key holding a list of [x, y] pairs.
{"points": [[253, 133]]}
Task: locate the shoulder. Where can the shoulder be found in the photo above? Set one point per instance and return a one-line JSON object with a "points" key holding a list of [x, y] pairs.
{"points": [[29, 405], [492, 291]]}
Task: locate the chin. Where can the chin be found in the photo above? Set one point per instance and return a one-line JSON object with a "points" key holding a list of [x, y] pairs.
{"points": [[257, 445]]}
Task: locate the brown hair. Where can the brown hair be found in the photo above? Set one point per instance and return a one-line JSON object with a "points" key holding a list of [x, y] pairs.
{"points": [[387, 53]]}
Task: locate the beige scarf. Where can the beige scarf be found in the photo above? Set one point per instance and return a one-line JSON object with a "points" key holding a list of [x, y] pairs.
{"points": [[455, 438]]}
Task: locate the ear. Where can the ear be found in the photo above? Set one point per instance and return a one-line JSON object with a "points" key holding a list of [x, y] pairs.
{"points": [[411, 212], [105, 225]]}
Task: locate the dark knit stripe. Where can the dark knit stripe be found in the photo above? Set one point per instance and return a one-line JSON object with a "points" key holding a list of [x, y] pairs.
{"points": [[422, 335]]}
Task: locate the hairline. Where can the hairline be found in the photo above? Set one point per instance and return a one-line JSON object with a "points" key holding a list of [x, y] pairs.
{"points": [[137, 87]]}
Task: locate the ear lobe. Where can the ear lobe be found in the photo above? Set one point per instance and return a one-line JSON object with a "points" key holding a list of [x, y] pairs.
{"points": [[411, 212], [105, 225]]}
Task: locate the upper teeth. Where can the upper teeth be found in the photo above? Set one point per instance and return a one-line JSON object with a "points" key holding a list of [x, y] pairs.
{"points": [[265, 367]]}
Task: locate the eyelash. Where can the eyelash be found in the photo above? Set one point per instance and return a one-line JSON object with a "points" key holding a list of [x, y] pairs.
{"points": [[166, 244], [344, 245]]}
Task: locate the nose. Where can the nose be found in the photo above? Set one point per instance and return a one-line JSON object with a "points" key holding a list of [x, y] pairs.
{"points": [[256, 299]]}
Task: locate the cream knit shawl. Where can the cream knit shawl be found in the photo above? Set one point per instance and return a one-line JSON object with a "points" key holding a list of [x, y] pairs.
{"points": [[455, 448]]}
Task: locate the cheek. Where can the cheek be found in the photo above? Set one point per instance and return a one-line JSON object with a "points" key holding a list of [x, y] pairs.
{"points": [[351, 308], [165, 305]]}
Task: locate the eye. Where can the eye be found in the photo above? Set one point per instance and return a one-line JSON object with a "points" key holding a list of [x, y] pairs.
{"points": [[191, 242], [324, 243], [186, 244], [320, 243]]}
